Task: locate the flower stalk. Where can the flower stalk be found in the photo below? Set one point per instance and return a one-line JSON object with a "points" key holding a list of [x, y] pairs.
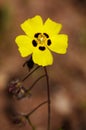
{"points": [[48, 96], [28, 90], [29, 74]]}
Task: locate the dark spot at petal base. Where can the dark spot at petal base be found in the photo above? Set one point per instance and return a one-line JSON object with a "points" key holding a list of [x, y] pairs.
{"points": [[49, 42], [36, 35], [42, 48], [46, 35], [34, 43]]}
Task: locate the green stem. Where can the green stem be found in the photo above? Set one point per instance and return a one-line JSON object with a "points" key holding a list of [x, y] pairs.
{"points": [[30, 123], [48, 96]]}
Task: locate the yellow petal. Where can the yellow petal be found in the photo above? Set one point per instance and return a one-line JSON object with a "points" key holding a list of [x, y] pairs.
{"points": [[32, 26], [42, 58], [50, 27], [59, 43], [24, 44]]}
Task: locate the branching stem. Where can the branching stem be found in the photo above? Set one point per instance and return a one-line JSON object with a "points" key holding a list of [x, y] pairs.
{"points": [[29, 74], [30, 123], [30, 113], [35, 82], [27, 116]]}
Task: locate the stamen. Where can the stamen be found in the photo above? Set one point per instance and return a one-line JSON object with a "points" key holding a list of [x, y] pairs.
{"points": [[36, 35], [48, 42], [34, 43], [46, 35], [42, 48]]}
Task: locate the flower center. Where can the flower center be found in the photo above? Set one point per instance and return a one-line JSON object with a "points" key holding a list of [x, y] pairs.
{"points": [[41, 39]]}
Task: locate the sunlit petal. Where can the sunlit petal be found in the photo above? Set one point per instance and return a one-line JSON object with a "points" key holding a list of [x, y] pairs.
{"points": [[32, 26], [42, 58], [51, 27], [24, 45], [59, 43]]}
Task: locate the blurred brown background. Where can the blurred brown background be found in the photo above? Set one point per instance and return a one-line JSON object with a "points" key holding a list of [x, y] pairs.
{"points": [[67, 75]]}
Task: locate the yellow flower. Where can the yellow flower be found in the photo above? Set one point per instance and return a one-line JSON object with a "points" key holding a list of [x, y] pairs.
{"points": [[40, 39]]}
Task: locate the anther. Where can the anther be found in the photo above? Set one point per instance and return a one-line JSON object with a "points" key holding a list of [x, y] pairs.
{"points": [[46, 35], [42, 48], [48, 42], [34, 43]]}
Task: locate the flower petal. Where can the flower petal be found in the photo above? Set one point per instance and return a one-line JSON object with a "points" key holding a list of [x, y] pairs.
{"points": [[51, 27], [24, 44], [42, 58], [59, 43], [32, 26]]}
